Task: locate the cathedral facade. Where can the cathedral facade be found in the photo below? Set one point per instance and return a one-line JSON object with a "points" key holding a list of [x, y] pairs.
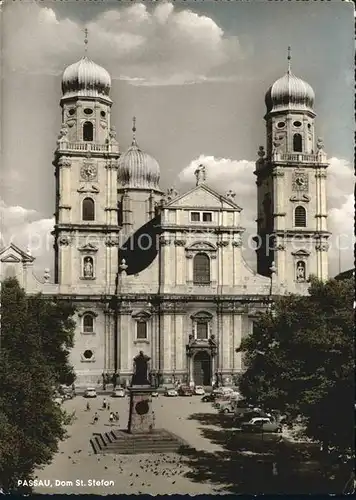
{"points": [[163, 272]]}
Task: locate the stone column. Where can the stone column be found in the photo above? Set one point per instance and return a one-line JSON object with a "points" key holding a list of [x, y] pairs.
{"points": [[166, 343], [190, 371], [64, 173], [226, 327]]}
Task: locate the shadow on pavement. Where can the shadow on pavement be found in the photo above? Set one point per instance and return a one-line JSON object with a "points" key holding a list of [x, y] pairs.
{"points": [[256, 463], [217, 419]]}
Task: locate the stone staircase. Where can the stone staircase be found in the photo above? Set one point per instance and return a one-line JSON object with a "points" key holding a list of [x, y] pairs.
{"points": [[120, 442]]}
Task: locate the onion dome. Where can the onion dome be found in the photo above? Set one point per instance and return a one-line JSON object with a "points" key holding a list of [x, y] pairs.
{"points": [[137, 169], [290, 93], [86, 79]]}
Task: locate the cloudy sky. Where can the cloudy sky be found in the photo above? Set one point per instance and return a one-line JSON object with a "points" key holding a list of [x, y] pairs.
{"points": [[194, 74]]}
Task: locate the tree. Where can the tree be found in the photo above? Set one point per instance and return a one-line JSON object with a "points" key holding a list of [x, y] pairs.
{"points": [[34, 336], [300, 360]]}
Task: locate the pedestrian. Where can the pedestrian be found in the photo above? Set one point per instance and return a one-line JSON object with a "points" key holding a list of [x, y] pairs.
{"points": [[108, 406], [96, 418], [111, 418], [88, 406], [117, 418], [104, 403]]}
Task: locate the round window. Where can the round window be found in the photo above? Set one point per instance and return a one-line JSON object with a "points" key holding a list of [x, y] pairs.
{"points": [[88, 354], [88, 111], [102, 114], [281, 124], [71, 111], [297, 124]]}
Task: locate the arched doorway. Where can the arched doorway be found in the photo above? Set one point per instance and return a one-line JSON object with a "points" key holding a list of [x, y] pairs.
{"points": [[202, 368]]}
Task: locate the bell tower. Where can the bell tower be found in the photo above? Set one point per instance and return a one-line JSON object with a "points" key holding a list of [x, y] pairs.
{"points": [[291, 186], [86, 220]]}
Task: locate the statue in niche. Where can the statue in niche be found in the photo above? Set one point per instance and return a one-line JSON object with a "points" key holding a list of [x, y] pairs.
{"points": [[140, 376], [300, 271], [88, 267]]}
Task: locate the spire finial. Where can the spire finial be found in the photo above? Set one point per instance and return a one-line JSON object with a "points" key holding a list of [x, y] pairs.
{"points": [[86, 40], [289, 59], [134, 131]]}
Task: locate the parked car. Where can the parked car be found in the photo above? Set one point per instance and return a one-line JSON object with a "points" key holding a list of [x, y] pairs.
{"points": [[184, 390], [58, 400], [90, 392], [209, 398], [118, 393], [261, 424], [223, 390], [66, 392], [154, 394], [199, 390], [221, 400], [226, 408], [171, 393]]}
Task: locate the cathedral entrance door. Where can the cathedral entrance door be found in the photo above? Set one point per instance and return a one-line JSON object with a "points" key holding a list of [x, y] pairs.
{"points": [[202, 368]]}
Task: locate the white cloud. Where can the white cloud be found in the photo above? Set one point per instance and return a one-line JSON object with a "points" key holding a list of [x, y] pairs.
{"points": [[27, 230], [224, 174], [159, 46]]}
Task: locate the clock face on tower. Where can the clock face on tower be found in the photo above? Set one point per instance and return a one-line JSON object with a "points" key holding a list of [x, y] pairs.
{"points": [[300, 181], [88, 172]]}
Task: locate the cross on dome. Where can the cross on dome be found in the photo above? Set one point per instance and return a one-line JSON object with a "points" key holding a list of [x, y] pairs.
{"points": [[134, 131], [86, 40]]}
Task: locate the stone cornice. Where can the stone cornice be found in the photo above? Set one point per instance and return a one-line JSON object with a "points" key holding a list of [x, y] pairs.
{"points": [[302, 233], [268, 167], [238, 300], [103, 228], [203, 229], [77, 153]]}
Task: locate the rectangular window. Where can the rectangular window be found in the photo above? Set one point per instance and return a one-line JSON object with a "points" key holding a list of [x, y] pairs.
{"points": [[141, 330], [207, 217], [195, 216], [202, 330]]}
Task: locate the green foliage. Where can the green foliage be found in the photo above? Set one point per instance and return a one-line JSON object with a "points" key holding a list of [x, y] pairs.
{"points": [[35, 336], [300, 360]]}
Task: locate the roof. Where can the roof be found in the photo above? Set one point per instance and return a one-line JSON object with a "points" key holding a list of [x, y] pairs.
{"points": [[219, 197], [12, 253]]}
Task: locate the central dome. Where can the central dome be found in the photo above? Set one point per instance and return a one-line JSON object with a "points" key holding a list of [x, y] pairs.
{"points": [[85, 78], [137, 169], [290, 93]]}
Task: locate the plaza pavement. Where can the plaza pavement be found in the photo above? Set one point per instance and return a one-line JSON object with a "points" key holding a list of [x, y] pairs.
{"points": [[75, 464]]}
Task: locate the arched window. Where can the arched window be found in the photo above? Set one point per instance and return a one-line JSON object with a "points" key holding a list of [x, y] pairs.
{"points": [[300, 217], [201, 269], [88, 209], [297, 143], [88, 323], [88, 131]]}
